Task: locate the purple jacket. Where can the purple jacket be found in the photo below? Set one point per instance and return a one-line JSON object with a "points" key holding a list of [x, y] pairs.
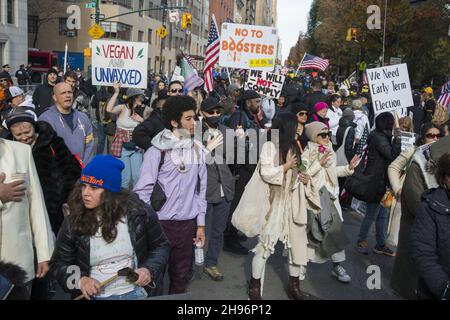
{"points": [[183, 202]]}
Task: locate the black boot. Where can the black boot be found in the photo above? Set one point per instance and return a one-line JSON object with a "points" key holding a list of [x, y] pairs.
{"points": [[294, 291], [254, 289]]}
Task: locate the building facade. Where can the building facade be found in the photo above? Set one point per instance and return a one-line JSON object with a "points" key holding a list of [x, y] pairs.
{"points": [[266, 13], [138, 26], [13, 33], [223, 10]]}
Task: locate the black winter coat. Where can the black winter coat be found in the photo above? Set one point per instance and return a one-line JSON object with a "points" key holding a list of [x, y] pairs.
{"points": [[147, 238], [58, 172], [350, 146], [430, 243], [144, 133], [381, 154], [312, 98], [219, 174], [43, 98]]}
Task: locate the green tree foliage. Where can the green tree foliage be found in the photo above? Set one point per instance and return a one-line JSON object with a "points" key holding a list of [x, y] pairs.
{"points": [[416, 33]]}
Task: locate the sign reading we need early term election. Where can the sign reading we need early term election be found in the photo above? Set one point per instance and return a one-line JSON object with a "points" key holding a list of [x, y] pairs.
{"points": [[121, 61], [390, 88], [248, 47], [265, 83]]}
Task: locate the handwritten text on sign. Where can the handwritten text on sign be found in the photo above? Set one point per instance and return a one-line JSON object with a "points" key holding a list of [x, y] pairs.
{"points": [[247, 46], [121, 61], [265, 83], [390, 88]]}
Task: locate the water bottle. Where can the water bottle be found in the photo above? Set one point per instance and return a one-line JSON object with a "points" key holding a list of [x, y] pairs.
{"points": [[199, 258]]}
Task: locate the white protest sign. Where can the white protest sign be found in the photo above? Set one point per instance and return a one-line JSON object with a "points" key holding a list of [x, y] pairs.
{"points": [[248, 47], [121, 61], [390, 88], [408, 139], [265, 83]]}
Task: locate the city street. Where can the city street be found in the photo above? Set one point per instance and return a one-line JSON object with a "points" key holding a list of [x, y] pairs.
{"points": [[318, 282]]}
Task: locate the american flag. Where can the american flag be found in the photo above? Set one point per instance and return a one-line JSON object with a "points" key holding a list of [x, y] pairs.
{"points": [[313, 62], [444, 99], [188, 59], [212, 54]]}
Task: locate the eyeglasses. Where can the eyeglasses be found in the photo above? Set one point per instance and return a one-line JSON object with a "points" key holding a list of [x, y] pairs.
{"points": [[325, 135], [302, 114], [213, 112], [433, 136], [176, 90]]}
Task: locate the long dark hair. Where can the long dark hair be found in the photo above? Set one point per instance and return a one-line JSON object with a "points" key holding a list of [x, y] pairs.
{"points": [[443, 170], [286, 124], [85, 221], [424, 129]]}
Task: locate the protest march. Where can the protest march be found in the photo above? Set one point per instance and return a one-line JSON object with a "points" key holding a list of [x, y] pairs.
{"points": [[212, 150]]}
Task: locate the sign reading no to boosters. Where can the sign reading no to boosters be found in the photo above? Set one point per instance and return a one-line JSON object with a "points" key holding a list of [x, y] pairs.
{"points": [[121, 61], [248, 47]]}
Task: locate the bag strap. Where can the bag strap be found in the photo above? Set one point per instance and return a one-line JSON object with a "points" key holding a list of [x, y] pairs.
{"points": [[345, 135]]}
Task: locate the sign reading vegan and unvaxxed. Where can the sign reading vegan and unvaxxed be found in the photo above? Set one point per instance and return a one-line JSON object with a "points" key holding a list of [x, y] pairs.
{"points": [[121, 61], [248, 47], [265, 83], [390, 88]]}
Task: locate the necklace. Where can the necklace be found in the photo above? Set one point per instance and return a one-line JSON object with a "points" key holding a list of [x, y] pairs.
{"points": [[179, 162]]}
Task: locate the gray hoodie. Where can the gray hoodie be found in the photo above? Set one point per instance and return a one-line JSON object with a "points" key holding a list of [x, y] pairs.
{"points": [[79, 139]]}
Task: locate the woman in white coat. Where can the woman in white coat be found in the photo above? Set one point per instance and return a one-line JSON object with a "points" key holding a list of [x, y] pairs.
{"points": [[290, 193], [24, 220], [321, 163]]}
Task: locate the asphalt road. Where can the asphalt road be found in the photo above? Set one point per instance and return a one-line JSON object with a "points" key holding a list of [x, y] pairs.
{"points": [[318, 282]]}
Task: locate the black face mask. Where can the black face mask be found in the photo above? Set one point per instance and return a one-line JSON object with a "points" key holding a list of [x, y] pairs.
{"points": [[212, 121]]}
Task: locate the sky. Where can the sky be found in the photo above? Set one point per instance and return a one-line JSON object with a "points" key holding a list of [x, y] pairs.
{"points": [[292, 18]]}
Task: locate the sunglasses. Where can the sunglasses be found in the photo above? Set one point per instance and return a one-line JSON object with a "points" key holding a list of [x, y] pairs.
{"points": [[213, 112], [325, 135], [3, 80], [433, 136], [302, 114], [176, 90]]}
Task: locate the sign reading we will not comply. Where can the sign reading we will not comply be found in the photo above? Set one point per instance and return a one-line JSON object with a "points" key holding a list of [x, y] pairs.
{"points": [[390, 88], [265, 83], [121, 61]]}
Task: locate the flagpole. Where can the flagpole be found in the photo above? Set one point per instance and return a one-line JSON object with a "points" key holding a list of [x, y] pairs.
{"points": [[65, 58], [229, 77], [300, 64]]}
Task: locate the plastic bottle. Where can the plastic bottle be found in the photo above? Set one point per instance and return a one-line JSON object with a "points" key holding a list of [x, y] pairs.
{"points": [[199, 257]]}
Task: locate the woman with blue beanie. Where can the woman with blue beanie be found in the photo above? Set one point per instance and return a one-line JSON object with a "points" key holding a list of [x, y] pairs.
{"points": [[108, 229]]}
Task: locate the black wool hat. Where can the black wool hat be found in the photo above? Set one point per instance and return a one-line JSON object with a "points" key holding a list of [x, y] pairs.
{"points": [[250, 94], [210, 103]]}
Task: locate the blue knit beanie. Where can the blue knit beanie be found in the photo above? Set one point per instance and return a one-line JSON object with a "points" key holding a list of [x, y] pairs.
{"points": [[104, 172]]}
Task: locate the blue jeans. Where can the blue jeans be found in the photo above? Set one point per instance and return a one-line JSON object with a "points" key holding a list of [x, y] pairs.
{"points": [[216, 222], [381, 214], [137, 294], [132, 160], [101, 138]]}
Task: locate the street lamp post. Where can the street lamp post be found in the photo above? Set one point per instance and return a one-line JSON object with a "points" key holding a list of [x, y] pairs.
{"points": [[384, 33], [164, 15]]}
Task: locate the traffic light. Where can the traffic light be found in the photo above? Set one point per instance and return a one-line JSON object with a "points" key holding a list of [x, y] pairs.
{"points": [[186, 21], [351, 34]]}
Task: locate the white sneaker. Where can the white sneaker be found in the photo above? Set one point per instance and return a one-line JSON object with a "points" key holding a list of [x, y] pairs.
{"points": [[341, 274]]}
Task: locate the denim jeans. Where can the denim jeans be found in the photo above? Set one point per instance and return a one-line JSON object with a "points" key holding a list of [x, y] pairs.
{"points": [[132, 160], [216, 222], [381, 214], [101, 139], [137, 294]]}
